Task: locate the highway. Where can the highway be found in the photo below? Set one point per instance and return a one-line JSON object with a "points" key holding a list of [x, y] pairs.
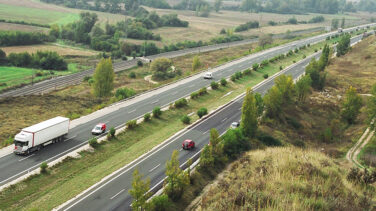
{"points": [[76, 78], [13, 166], [113, 194]]}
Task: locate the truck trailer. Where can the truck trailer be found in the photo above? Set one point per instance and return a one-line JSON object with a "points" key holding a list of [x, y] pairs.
{"points": [[35, 137]]}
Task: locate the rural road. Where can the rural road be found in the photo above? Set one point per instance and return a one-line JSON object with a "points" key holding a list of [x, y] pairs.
{"points": [[13, 166], [112, 194], [76, 78]]}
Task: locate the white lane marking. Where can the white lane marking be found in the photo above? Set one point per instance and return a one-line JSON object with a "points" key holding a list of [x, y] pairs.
{"points": [[190, 114], [224, 119], [174, 93], [154, 168], [117, 194], [191, 86], [181, 149], [70, 138], [206, 132], [26, 157], [132, 111], [155, 102], [240, 108], [227, 94], [106, 122]]}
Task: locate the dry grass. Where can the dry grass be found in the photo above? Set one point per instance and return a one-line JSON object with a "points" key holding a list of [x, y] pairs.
{"points": [[61, 50], [23, 28], [283, 179]]}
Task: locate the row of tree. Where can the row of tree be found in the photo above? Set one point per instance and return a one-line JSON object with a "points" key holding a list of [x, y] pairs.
{"points": [[13, 38], [45, 60]]}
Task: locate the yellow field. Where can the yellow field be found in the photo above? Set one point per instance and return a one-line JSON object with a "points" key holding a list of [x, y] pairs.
{"points": [[61, 50], [19, 27]]}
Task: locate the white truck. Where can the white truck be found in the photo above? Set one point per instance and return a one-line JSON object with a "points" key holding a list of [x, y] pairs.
{"points": [[37, 136]]}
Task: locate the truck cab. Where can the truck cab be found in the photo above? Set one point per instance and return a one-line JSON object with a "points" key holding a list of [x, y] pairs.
{"points": [[21, 142]]}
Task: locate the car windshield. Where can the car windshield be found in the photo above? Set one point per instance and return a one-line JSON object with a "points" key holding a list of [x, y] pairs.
{"points": [[97, 128], [20, 143]]}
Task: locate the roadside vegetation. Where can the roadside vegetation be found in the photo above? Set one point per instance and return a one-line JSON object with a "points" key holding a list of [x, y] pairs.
{"points": [[149, 134]]}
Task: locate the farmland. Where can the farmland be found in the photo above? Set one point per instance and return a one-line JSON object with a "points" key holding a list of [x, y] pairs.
{"points": [[61, 50]]}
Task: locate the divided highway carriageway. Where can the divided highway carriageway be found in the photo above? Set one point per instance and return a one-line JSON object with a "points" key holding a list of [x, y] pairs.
{"points": [[13, 166]]}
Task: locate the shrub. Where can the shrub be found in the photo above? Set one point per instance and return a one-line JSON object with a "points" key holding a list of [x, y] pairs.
{"points": [[223, 82], [139, 63], [157, 112], [264, 63], [255, 66], [112, 132], [181, 103], [131, 124], [233, 78], [202, 112], [202, 91], [3, 84], [43, 167], [296, 50], [214, 85], [269, 140], [185, 119], [280, 67], [147, 117], [132, 75], [247, 71], [316, 50], [304, 56], [266, 76], [294, 61], [161, 202], [238, 75], [90, 81], [86, 78], [194, 95], [93, 142], [123, 93]]}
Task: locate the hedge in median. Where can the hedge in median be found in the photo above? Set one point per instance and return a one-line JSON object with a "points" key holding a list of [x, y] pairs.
{"points": [[214, 85], [181, 103], [157, 112], [185, 119], [131, 124]]}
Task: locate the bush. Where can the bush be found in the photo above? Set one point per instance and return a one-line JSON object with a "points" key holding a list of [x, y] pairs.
{"points": [[316, 50], [132, 75], [264, 63], [223, 82], [214, 85], [139, 63], [304, 56], [43, 167], [147, 117], [255, 67], [161, 203], [86, 78], [269, 140], [202, 112], [294, 61], [247, 71], [112, 132], [238, 75], [202, 91], [233, 78], [123, 93], [280, 68], [157, 112], [181, 103], [194, 95], [296, 50], [93, 142], [266, 76], [131, 124], [90, 81], [185, 119]]}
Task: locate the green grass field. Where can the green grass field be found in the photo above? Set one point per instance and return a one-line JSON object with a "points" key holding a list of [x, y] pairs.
{"points": [[14, 76], [34, 15]]}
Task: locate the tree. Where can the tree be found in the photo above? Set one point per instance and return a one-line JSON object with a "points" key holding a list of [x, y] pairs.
{"points": [[160, 68], [3, 57], [324, 58], [215, 144], [55, 31], [196, 63], [343, 23], [249, 121], [139, 191], [265, 39], [335, 24], [372, 103], [259, 104], [206, 157], [343, 45], [176, 178], [249, 5], [103, 78], [303, 88], [318, 78], [285, 85], [351, 105], [273, 101], [217, 5]]}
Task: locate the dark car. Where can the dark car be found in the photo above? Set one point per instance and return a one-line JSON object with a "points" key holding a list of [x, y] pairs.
{"points": [[188, 144]]}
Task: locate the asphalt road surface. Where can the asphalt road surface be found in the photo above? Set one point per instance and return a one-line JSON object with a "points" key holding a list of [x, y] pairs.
{"points": [[112, 194], [62, 81], [13, 166]]}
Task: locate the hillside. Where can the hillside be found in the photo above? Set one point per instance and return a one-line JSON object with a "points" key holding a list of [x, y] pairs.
{"points": [[283, 179]]}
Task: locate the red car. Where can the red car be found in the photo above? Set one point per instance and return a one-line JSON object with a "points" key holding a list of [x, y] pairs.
{"points": [[99, 129], [188, 144]]}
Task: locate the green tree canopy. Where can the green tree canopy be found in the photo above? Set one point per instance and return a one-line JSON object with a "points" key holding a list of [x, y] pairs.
{"points": [[249, 121], [103, 78], [139, 191], [351, 105]]}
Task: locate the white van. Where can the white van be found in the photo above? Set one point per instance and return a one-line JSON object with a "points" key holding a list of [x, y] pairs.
{"points": [[208, 75]]}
